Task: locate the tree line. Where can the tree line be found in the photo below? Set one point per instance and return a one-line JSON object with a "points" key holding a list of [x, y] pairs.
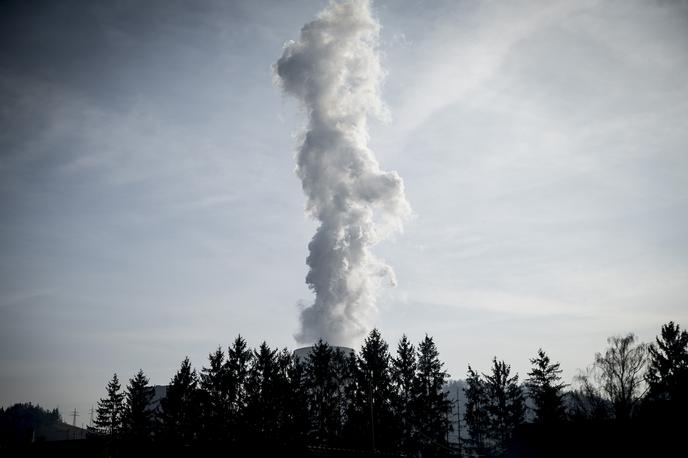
{"points": [[264, 397], [632, 400], [20, 422], [396, 403]]}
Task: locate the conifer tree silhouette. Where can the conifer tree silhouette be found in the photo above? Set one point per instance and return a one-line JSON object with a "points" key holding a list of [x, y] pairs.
{"points": [[404, 383], [138, 418], [667, 374], [322, 389], [180, 413], [110, 409], [375, 394], [432, 402], [214, 398], [476, 414], [546, 389], [505, 403]]}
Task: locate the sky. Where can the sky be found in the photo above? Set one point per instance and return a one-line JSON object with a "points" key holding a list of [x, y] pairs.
{"points": [[149, 207]]}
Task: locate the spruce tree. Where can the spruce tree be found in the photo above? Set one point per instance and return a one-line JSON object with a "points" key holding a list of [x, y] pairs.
{"points": [[110, 409], [667, 374], [138, 419], [545, 388], [236, 371], [180, 411], [344, 369], [476, 416], [356, 430], [432, 402], [321, 389], [223, 392], [667, 378], [262, 391], [214, 398], [289, 404], [505, 404], [375, 393], [404, 384], [295, 424]]}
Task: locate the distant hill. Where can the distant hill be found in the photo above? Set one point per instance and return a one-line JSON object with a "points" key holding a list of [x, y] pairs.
{"points": [[25, 423], [59, 431]]}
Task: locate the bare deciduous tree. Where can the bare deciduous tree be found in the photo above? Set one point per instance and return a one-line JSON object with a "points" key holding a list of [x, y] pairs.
{"points": [[620, 373]]}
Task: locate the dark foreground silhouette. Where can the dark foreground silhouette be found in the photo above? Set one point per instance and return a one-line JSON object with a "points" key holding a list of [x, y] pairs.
{"points": [[631, 401]]}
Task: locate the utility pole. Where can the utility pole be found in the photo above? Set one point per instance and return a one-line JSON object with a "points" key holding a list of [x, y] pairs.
{"points": [[90, 422], [74, 415]]}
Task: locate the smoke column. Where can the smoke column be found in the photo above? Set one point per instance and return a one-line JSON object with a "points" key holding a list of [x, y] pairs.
{"points": [[334, 70]]}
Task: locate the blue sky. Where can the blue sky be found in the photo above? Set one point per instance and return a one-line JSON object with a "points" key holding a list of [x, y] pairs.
{"points": [[150, 208]]}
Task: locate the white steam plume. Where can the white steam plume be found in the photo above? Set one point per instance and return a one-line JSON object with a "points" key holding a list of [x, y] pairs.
{"points": [[334, 71]]}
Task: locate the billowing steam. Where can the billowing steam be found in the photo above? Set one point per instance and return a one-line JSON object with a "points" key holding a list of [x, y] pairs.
{"points": [[334, 71]]}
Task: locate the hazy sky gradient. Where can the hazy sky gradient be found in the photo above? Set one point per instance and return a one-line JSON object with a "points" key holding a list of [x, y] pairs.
{"points": [[149, 207]]}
